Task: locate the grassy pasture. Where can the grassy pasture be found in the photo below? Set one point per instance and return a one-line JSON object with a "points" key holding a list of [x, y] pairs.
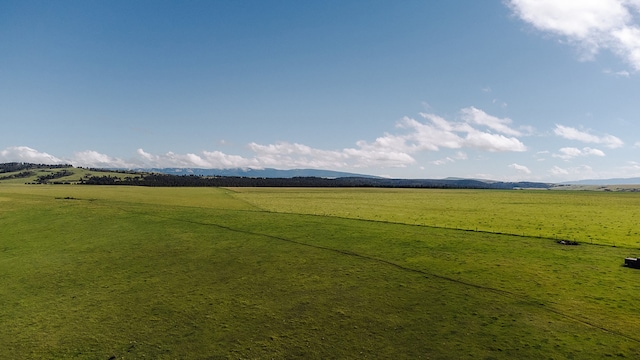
{"points": [[160, 273], [603, 218]]}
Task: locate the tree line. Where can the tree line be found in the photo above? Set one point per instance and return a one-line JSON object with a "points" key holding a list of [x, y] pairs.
{"points": [[167, 180], [171, 180], [23, 174], [43, 179]]}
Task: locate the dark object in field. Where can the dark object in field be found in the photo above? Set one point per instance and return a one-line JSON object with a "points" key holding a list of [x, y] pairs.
{"points": [[568, 242], [632, 262]]}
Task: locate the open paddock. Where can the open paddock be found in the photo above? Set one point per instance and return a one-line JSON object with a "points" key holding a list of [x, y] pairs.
{"points": [[121, 272]]}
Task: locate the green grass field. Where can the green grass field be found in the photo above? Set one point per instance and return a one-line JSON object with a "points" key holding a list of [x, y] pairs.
{"points": [[606, 218], [105, 272]]}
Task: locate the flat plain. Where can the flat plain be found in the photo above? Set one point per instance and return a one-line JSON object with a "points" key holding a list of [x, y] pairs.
{"points": [[115, 272]]}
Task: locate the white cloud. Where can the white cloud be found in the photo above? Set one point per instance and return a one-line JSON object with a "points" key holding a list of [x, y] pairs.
{"points": [[477, 130], [493, 142], [27, 154], [592, 152], [446, 160], [441, 133], [622, 73], [460, 155], [146, 155], [556, 171], [541, 155], [90, 158], [288, 155], [430, 137], [590, 25], [379, 158], [578, 172], [220, 160], [520, 168], [570, 133], [207, 159], [284, 154], [631, 170], [568, 153], [477, 116]]}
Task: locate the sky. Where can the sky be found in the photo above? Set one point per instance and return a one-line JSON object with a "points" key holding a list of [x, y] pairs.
{"points": [[536, 90]]}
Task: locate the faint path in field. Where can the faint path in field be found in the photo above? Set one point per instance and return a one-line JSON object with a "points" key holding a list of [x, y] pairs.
{"points": [[521, 235], [426, 274], [232, 194], [525, 299]]}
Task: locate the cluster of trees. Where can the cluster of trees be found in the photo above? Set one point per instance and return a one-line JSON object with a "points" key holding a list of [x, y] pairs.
{"points": [[19, 175], [43, 179], [119, 171], [107, 180]]}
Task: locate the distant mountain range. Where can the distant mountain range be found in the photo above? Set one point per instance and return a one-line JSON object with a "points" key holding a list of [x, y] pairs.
{"points": [[329, 174], [334, 178], [616, 181], [256, 173], [337, 178]]}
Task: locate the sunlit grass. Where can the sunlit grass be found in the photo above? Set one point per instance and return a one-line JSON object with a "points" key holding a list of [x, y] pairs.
{"points": [[607, 218], [126, 272]]}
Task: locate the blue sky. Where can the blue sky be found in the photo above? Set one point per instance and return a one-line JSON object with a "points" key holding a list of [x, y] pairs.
{"points": [[540, 90]]}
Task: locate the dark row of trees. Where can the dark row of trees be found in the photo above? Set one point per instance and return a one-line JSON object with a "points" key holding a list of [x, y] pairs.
{"points": [[232, 181], [119, 171], [166, 180], [19, 175], [157, 179], [43, 179]]}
